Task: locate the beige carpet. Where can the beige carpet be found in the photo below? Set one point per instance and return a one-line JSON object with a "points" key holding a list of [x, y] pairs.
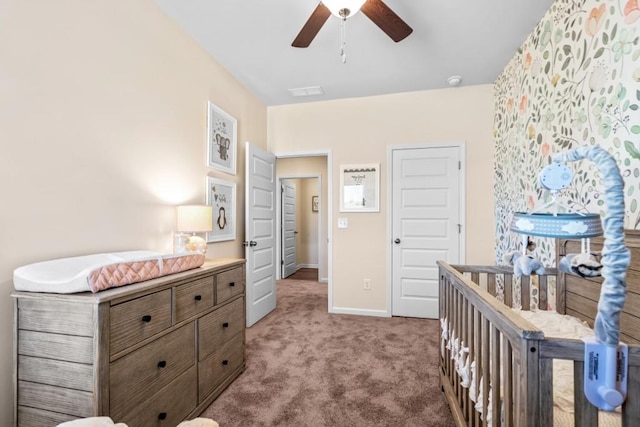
{"points": [[306, 367]]}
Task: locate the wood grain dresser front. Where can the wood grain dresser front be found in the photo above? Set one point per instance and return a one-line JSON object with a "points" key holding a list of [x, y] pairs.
{"points": [[148, 354]]}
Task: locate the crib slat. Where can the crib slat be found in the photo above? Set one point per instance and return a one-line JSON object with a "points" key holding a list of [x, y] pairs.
{"points": [[477, 345], [491, 284], [467, 341], [543, 285], [507, 361], [495, 374], [546, 392], [525, 292], [485, 367], [586, 414], [508, 290], [631, 406], [472, 354]]}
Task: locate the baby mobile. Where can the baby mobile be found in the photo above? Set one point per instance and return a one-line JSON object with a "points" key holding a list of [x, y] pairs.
{"points": [[605, 382]]}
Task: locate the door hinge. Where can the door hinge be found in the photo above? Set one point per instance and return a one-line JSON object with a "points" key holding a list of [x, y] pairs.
{"points": [[459, 228], [282, 189], [459, 165], [282, 262]]}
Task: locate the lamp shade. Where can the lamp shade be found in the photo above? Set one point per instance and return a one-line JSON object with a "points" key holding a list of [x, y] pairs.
{"points": [[335, 6], [562, 225], [194, 218]]}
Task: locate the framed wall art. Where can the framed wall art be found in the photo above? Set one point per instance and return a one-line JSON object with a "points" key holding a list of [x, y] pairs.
{"points": [[222, 133], [221, 195], [314, 203], [360, 188]]}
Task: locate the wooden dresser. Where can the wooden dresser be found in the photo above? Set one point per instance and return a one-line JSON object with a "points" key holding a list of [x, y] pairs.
{"points": [[148, 354]]}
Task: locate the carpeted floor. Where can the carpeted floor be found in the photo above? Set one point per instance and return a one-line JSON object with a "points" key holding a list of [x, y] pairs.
{"points": [[306, 367]]}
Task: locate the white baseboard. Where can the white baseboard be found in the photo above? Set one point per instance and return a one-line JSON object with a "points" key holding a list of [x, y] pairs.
{"points": [[323, 280], [359, 311], [299, 266]]}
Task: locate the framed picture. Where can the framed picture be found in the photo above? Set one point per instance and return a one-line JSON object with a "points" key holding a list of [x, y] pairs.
{"points": [[360, 188], [314, 203], [221, 195], [222, 133]]}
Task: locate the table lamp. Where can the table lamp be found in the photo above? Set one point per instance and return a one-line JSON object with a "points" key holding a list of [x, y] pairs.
{"points": [[192, 219]]}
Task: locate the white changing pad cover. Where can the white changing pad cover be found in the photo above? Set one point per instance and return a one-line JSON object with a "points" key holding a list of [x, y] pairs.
{"points": [[71, 275]]}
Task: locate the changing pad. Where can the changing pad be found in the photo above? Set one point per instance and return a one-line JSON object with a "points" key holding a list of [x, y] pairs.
{"points": [[100, 271]]}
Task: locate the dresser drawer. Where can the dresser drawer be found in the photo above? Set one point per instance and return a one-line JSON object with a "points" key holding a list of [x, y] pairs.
{"points": [[140, 374], [193, 298], [218, 326], [168, 407], [229, 284], [217, 367], [135, 320]]}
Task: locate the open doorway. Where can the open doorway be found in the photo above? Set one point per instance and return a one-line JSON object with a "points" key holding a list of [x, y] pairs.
{"points": [[300, 227], [302, 218]]}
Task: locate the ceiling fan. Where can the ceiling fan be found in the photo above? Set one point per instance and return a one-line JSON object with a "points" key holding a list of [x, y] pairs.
{"points": [[375, 10]]}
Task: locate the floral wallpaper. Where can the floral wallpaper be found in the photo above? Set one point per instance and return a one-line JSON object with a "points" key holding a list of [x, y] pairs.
{"points": [[575, 81]]}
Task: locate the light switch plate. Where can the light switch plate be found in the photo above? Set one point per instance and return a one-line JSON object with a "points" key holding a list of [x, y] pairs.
{"points": [[343, 223]]}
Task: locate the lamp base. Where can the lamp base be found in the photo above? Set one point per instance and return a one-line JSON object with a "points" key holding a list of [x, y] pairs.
{"points": [[180, 243], [196, 244]]}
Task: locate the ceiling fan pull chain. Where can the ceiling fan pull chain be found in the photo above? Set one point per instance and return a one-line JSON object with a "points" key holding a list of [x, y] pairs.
{"points": [[343, 39]]}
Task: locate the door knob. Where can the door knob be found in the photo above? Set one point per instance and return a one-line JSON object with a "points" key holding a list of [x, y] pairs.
{"points": [[397, 241], [253, 243]]}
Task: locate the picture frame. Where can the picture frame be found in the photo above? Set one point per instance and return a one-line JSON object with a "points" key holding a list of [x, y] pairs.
{"points": [[315, 201], [222, 139], [221, 195], [360, 187]]}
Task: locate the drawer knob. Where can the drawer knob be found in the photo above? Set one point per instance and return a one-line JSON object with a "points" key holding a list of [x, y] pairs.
{"points": [[225, 325], [225, 362], [146, 318], [162, 415], [198, 297], [162, 364], [232, 284]]}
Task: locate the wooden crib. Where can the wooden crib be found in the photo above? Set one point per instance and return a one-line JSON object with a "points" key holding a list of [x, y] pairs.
{"points": [[515, 355]]}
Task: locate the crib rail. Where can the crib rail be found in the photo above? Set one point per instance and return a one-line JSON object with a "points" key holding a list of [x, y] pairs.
{"points": [[513, 353], [585, 413], [502, 345]]}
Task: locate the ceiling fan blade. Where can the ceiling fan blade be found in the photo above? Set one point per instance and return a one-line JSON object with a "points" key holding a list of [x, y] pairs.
{"points": [[386, 19], [312, 26]]}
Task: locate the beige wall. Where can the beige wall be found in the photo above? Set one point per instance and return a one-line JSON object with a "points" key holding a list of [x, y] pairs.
{"points": [[359, 130], [306, 166], [102, 126], [308, 249]]}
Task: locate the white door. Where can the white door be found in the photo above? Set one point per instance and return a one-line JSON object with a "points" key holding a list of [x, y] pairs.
{"points": [[289, 255], [425, 225], [260, 232]]}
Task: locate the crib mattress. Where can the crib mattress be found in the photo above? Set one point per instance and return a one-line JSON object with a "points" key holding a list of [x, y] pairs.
{"points": [[100, 271]]}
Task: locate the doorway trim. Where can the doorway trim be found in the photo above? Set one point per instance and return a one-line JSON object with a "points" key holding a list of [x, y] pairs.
{"points": [[462, 199], [329, 206]]}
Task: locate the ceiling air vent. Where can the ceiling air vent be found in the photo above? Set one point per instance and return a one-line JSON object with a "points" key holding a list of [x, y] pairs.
{"points": [[306, 91]]}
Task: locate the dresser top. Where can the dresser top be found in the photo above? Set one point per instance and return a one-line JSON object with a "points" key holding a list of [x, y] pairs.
{"points": [[128, 291]]}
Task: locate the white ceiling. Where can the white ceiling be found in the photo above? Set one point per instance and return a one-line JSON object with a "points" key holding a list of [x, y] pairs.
{"points": [[252, 40]]}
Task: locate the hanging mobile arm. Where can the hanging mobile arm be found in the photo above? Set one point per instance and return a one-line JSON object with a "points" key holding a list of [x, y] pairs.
{"points": [[605, 359]]}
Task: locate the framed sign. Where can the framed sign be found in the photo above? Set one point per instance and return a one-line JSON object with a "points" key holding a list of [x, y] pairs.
{"points": [[221, 195], [360, 188], [222, 132], [314, 203]]}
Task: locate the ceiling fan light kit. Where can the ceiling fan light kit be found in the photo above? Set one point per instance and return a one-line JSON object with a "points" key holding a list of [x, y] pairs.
{"points": [[344, 8], [378, 12]]}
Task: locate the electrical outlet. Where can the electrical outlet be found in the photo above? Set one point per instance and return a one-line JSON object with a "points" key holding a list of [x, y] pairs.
{"points": [[367, 284]]}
